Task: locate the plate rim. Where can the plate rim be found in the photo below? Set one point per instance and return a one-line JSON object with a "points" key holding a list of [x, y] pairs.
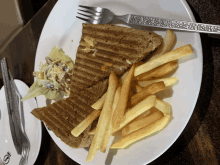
{"points": [[199, 46], [38, 121], [190, 13]]}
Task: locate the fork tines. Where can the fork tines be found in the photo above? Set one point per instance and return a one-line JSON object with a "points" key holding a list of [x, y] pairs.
{"points": [[96, 9], [94, 13]]}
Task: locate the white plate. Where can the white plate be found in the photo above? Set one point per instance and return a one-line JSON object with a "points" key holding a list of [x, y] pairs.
{"points": [[62, 26], [32, 128]]}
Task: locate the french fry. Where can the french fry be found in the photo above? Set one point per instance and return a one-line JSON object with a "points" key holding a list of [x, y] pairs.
{"points": [[99, 104], [122, 78], [104, 118], [167, 57], [140, 123], [167, 81], [167, 45], [164, 107], [85, 123], [107, 135], [116, 98], [149, 90], [122, 103], [141, 133], [138, 88], [92, 132], [146, 113], [159, 72], [135, 88], [135, 111], [153, 109], [131, 93]]}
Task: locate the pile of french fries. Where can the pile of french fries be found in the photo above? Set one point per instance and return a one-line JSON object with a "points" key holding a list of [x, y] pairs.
{"points": [[130, 106]]}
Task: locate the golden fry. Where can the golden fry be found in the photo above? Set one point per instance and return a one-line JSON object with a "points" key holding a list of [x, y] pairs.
{"points": [[159, 72], [137, 110], [107, 135], [85, 123], [104, 119], [146, 113], [138, 88], [122, 78], [99, 104], [140, 123], [135, 88], [116, 98], [141, 133], [149, 90], [167, 57], [122, 103], [164, 107], [167, 81], [167, 45], [92, 132]]}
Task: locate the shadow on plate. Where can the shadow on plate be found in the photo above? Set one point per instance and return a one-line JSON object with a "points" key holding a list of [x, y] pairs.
{"points": [[112, 152], [167, 93]]}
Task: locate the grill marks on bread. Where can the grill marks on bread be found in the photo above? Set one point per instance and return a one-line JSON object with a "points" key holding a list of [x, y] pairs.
{"points": [[103, 49], [64, 115], [116, 45]]}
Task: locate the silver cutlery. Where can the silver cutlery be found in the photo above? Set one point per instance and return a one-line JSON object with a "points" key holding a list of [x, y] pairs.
{"points": [[26, 142], [13, 99], [98, 15], [13, 119]]}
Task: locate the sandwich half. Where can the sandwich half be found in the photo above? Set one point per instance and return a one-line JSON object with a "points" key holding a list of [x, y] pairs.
{"points": [[103, 49]]}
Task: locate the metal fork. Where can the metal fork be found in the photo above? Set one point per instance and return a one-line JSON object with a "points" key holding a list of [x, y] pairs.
{"points": [[26, 142], [25, 154], [98, 15]]}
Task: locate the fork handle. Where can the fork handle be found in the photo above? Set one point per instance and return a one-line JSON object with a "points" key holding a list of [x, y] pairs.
{"points": [[169, 24]]}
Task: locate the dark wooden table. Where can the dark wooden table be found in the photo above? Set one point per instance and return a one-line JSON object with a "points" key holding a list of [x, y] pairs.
{"points": [[199, 143]]}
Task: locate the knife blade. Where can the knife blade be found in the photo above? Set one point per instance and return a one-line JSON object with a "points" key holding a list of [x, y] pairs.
{"points": [[13, 122], [17, 101]]}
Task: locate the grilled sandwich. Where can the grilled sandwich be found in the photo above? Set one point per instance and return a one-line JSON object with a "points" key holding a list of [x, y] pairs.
{"points": [[62, 116], [103, 49], [107, 48]]}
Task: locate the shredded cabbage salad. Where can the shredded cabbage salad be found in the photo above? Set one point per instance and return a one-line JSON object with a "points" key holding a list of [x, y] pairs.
{"points": [[53, 77]]}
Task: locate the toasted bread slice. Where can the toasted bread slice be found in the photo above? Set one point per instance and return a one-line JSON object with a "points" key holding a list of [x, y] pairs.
{"points": [[64, 115], [109, 48], [103, 49]]}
